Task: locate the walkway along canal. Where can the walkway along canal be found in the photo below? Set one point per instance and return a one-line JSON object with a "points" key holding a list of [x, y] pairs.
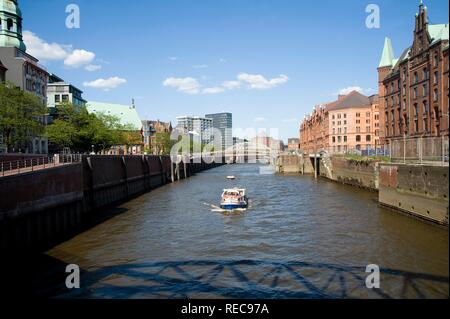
{"points": [[301, 238]]}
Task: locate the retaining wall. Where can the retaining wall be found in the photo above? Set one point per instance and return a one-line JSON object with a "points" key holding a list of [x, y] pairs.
{"points": [[38, 208], [418, 190]]}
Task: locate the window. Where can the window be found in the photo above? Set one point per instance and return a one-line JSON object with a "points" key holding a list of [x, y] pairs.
{"points": [[334, 139], [436, 60], [345, 116], [345, 122], [426, 74], [345, 130], [368, 114], [436, 78], [416, 110], [358, 121], [415, 93], [367, 121], [367, 129], [358, 138], [358, 114], [358, 129], [425, 107], [65, 98], [425, 90], [435, 95], [339, 116], [333, 117], [339, 139], [416, 77], [57, 98], [345, 139], [9, 24], [368, 138]]}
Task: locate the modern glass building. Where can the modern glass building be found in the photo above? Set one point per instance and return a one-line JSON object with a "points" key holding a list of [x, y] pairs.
{"points": [[224, 123]]}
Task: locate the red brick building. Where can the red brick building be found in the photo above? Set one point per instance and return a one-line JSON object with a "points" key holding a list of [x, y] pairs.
{"points": [[413, 89], [352, 122]]}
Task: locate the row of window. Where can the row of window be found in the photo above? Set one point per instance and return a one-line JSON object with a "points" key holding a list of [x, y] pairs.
{"points": [[63, 98], [339, 139]]}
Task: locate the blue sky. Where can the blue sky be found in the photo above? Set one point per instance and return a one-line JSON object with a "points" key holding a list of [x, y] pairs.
{"points": [[173, 56]]}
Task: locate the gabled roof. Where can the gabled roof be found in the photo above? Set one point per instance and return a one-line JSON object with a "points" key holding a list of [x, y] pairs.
{"points": [[438, 32], [353, 99], [126, 113], [387, 57]]}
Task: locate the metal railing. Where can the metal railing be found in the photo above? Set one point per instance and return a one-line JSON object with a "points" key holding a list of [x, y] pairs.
{"points": [[37, 163], [415, 150], [420, 150]]}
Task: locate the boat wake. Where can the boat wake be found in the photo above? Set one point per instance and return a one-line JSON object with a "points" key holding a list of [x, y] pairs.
{"points": [[217, 209]]}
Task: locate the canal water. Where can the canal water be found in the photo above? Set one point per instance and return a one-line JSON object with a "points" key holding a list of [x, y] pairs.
{"points": [[300, 239]]}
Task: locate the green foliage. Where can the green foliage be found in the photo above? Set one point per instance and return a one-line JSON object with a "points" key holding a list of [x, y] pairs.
{"points": [[22, 116], [78, 129]]}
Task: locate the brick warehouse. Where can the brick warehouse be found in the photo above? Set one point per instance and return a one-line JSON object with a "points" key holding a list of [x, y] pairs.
{"points": [[413, 89], [352, 122]]}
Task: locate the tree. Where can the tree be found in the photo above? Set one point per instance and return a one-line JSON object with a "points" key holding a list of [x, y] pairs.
{"points": [[78, 129], [21, 116]]}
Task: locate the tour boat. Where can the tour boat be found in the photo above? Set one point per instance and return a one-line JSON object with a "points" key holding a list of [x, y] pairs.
{"points": [[233, 198], [231, 177]]}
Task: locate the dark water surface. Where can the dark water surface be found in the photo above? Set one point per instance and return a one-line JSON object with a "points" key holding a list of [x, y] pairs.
{"points": [[301, 239]]}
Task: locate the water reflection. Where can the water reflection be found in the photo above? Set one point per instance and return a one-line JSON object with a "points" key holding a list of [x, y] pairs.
{"points": [[321, 230]]}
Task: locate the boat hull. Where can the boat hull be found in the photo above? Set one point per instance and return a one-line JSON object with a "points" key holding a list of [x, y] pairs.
{"points": [[233, 206]]}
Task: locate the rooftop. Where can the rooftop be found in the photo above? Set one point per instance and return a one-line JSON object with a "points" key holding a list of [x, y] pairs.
{"points": [[126, 113]]}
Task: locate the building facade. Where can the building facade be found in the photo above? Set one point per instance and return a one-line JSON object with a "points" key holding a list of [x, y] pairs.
{"points": [[224, 123], [351, 123], [200, 128], [413, 89], [293, 144], [20, 68], [58, 91], [150, 129]]}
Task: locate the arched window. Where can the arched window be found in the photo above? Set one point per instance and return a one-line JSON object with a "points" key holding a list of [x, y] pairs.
{"points": [[368, 138], [9, 24], [358, 138]]}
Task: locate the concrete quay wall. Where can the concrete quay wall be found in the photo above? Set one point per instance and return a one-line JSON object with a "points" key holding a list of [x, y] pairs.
{"points": [[417, 190], [39, 208], [362, 174]]}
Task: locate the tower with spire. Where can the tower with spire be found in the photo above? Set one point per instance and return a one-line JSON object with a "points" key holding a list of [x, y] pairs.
{"points": [[411, 88], [11, 25]]}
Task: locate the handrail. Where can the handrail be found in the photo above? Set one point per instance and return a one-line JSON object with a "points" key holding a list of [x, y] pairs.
{"points": [[37, 163]]}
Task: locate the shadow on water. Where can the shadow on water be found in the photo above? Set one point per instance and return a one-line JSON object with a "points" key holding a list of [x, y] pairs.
{"points": [[245, 279]]}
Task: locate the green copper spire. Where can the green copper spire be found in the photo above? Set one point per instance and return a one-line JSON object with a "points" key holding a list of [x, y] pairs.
{"points": [[11, 25], [387, 57]]}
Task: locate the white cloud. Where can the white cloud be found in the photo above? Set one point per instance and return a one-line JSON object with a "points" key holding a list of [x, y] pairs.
{"points": [[106, 84], [291, 120], [92, 67], [79, 58], [230, 85], [200, 66], [259, 82], [213, 90], [221, 60], [42, 50], [186, 85], [260, 120], [350, 89], [173, 58]]}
